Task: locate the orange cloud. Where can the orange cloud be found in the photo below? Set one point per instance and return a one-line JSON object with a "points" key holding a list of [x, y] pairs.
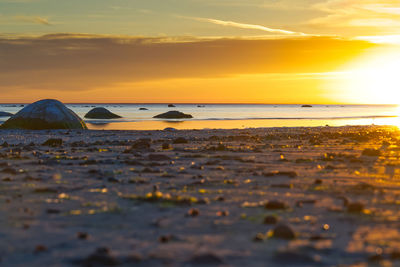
{"points": [[110, 67]]}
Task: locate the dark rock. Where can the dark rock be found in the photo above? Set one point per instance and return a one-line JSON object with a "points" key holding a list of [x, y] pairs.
{"points": [[318, 181], [82, 235], [44, 114], [259, 237], [193, 212], [171, 105], [9, 170], [173, 115], [223, 213], [295, 258], [371, 152], [270, 219], [101, 257], [143, 109], [306, 106], [158, 157], [166, 146], [284, 232], [290, 174], [355, 207], [166, 238], [275, 205], [53, 142], [287, 186], [170, 129], [140, 144], [180, 140], [5, 114], [395, 255], [206, 259], [40, 248], [375, 258], [53, 211], [101, 113]]}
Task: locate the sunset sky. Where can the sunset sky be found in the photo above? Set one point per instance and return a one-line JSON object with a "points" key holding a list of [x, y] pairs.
{"points": [[208, 51]]}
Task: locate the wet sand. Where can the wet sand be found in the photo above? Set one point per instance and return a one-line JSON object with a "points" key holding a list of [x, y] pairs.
{"points": [[324, 196]]}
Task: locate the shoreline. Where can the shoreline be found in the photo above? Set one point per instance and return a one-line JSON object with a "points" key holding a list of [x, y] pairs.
{"points": [[200, 197]]}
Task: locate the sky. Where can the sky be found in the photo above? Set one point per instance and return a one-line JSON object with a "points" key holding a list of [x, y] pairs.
{"points": [[200, 51]]}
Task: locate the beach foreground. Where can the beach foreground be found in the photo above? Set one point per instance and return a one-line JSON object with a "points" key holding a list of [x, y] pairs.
{"points": [[326, 196]]}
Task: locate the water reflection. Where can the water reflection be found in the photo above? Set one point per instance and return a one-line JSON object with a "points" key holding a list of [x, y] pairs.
{"points": [[241, 124]]}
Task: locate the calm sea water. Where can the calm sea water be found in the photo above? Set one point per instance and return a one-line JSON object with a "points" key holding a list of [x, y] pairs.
{"points": [[234, 116]]}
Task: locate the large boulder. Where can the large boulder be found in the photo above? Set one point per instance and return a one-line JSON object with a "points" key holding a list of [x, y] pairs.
{"points": [[173, 115], [101, 113], [45, 114], [5, 114]]}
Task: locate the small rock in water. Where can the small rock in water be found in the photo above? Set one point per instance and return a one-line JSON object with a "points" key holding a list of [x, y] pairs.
{"points": [[101, 113], [284, 231], [171, 106], [173, 115], [170, 129]]}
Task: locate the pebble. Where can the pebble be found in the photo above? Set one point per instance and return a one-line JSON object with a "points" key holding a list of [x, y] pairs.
{"points": [[355, 207], [206, 259], [318, 181], [193, 212], [180, 140], [284, 231], [166, 146], [82, 235], [53, 142], [275, 205], [270, 219], [101, 257]]}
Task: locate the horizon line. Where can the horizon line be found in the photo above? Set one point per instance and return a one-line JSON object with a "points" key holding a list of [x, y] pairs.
{"points": [[200, 103]]}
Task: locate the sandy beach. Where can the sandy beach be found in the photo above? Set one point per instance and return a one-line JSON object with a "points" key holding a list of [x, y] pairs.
{"points": [[323, 196]]}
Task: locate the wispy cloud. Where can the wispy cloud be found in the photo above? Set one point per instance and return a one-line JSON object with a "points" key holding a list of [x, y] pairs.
{"points": [[358, 13], [34, 19], [247, 26]]}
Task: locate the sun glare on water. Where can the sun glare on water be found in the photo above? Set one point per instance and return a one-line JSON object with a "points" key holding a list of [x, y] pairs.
{"points": [[375, 79]]}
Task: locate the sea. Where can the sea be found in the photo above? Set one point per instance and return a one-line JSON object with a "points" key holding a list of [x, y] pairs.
{"points": [[233, 116]]}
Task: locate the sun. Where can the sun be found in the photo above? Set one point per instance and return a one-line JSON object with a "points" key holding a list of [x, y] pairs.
{"points": [[374, 79]]}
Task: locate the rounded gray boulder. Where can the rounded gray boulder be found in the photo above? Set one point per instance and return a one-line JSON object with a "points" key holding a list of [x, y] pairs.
{"points": [[101, 113], [173, 115], [45, 115]]}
